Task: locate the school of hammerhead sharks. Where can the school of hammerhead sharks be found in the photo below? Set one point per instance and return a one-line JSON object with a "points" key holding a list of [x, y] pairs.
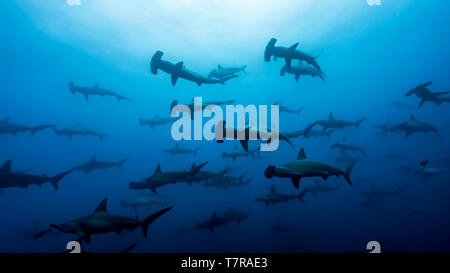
{"points": [[100, 221]]}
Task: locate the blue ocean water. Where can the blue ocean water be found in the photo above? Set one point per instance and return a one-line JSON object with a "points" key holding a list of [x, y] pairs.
{"points": [[372, 55]]}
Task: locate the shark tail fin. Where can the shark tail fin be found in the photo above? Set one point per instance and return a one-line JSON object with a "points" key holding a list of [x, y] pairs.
{"points": [[358, 122], [348, 170], [224, 80], [128, 249], [36, 129], [121, 162], [147, 221], [195, 169], [328, 133], [301, 195], [55, 179], [42, 233], [224, 171], [211, 74], [242, 175], [299, 110], [196, 150], [308, 129], [318, 54]]}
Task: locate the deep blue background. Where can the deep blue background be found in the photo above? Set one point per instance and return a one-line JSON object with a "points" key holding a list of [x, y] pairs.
{"points": [[377, 58]]}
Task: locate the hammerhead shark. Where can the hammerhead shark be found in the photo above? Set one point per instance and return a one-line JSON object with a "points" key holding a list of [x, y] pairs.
{"points": [[10, 179], [344, 146], [101, 222], [425, 94], [227, 181], [289, 54], [10, 128], [304, 167], [160, 178], [214, 221], [77, 129], [274, 197], [94, 90], [178, 150], [157, 120], [288, 110], [223, 72], [178, 70], [94, 164], [302, 69], [413, 126], [235, 153], [247, 132], [384, 129], [332, 123], [204, 105]]}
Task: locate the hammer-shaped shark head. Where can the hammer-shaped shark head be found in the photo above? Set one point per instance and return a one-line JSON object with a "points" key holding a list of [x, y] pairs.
{"points": [[154, 64], [269, 171], [269, 48], [418, 88]]}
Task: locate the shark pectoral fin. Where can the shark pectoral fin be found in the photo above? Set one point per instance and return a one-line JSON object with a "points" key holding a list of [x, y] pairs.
{"points": [[174, 79], [288, 61], [421, 103], [296, 181], [297, 77]]}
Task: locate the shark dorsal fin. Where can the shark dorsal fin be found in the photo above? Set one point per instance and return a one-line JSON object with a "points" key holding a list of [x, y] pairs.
{"points": [[5, 120], [301, 154], [214, 215], [219, 67], [102, 206], [94, 158], [179, 65], [412, 117], [177, 145], [331, 116], [6, 166], [294, 46], [95, 85], [158, 169], [272, 189]]}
